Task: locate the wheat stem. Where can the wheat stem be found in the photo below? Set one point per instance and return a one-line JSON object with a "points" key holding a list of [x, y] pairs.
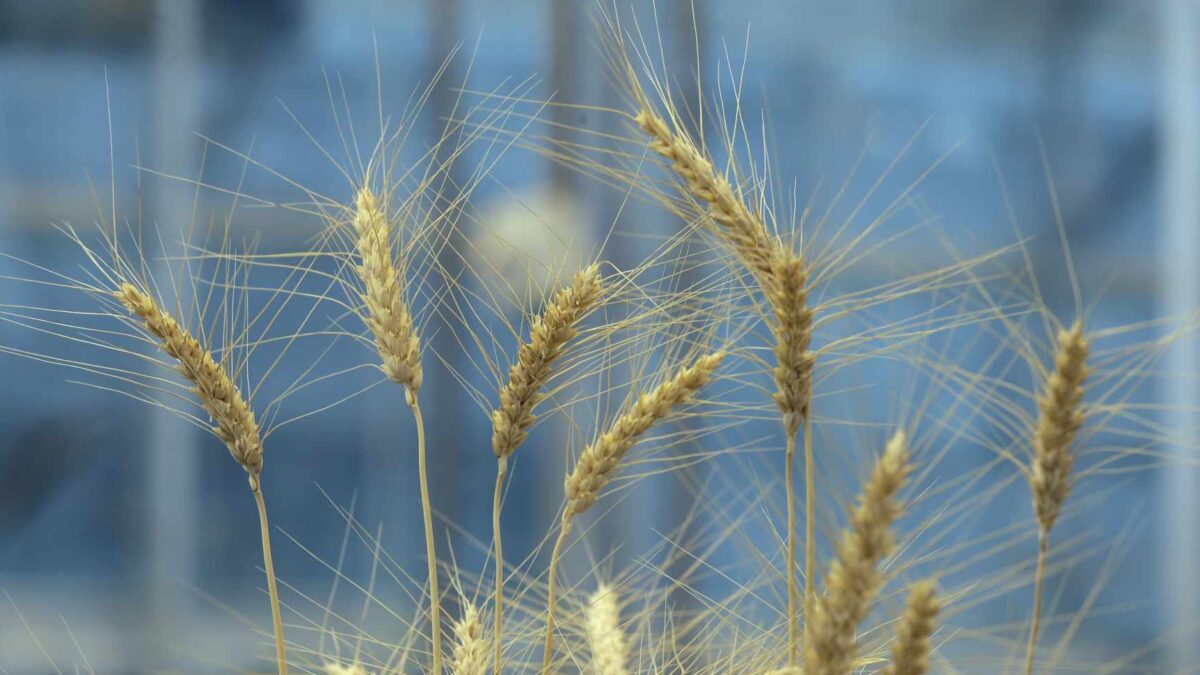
{"points": [[810, 564], [552, 585], [1035, 623], [501, 470], [269, 565], [435, 599], [793, 609]]}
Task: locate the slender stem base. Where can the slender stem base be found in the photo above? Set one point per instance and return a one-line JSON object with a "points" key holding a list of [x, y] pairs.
{"points": [[502, 469], [548, 652], [810, 541], [435, 597], [269, 565], [1036, 623], [793, 609]]}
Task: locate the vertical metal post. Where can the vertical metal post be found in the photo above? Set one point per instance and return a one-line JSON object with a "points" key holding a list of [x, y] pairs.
{"points": [[171, 459], [1179, 148]]}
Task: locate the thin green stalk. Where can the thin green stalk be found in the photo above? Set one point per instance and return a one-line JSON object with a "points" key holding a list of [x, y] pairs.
{"points": [[1039, 579]]}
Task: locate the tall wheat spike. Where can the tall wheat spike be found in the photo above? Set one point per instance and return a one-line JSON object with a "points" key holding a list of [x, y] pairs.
{"points": [[606, 641], [1059, 419], [548, 337], [596, 464], [781, 274], [391, 323], [910, 651], [854, 578], [225, 404]]}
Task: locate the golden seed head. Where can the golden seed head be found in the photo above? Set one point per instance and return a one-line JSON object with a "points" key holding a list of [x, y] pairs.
{"points": [[386, 315], [910, 651], [1060, 416], [216, 391], [470, 655], [787, 294], [598, 461], [548, 337], [854, 578], [605, 639]]}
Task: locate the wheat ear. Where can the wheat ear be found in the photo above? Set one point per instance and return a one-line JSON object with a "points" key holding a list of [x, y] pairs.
{"points": [[470, 655], [781, 274], [388, 318], [854, 577], [605, 638], [600, 459], [223, 401], [910, 651], [548, 337], [1060, 416]]}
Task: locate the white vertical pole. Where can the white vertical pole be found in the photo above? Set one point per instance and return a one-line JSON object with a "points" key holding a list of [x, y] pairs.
{"points": [[1179, 148], [171, 459]]}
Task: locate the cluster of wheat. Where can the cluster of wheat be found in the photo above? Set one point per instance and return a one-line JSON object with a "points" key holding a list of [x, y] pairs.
{"points": [[601, 322]]}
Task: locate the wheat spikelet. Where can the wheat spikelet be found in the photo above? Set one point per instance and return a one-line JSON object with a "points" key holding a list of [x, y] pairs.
{"points": [[338, 669], [600, 459], [1060, 418], [787, 293], [548, 336], [910, 651], [221, 398], [737, 224], [605, 639], [470, 655], [387, 315], [854, 578]]}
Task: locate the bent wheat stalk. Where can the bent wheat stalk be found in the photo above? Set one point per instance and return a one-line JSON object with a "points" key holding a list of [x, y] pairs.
{"points": [[854, 578], [605, 639], [910, 651], [780, 273], [388, 318], [223, 401], [548, 337], [599, 460], [1059, 419]]}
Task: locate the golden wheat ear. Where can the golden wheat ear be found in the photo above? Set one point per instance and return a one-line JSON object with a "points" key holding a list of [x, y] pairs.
{"points": [[606, 640], [470, 653], [223, 400], [910, 651], [854, 578]]}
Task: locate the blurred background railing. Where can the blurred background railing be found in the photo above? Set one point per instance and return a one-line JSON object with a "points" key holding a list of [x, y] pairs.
{"points": [[126, 543]]}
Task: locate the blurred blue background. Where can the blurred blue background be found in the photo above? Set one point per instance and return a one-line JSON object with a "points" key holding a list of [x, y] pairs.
{"points": [[130, 545]]}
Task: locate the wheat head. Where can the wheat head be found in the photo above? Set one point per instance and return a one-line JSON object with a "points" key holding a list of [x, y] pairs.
{"points": [[910, 651], [854, 577], [471, 650], [387, 315], [605, 639], [787, 293], [548, 336], [211, 383], [600, 459], [1059, 419]]}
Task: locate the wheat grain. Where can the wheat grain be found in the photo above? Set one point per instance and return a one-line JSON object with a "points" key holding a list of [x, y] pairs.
{"points": [[598, 461], [737, 224], [1059, 420], [910, 651], [605, 638], [470, 655], [854, 577], [216, 391], [387, 315], [548, 336]]}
